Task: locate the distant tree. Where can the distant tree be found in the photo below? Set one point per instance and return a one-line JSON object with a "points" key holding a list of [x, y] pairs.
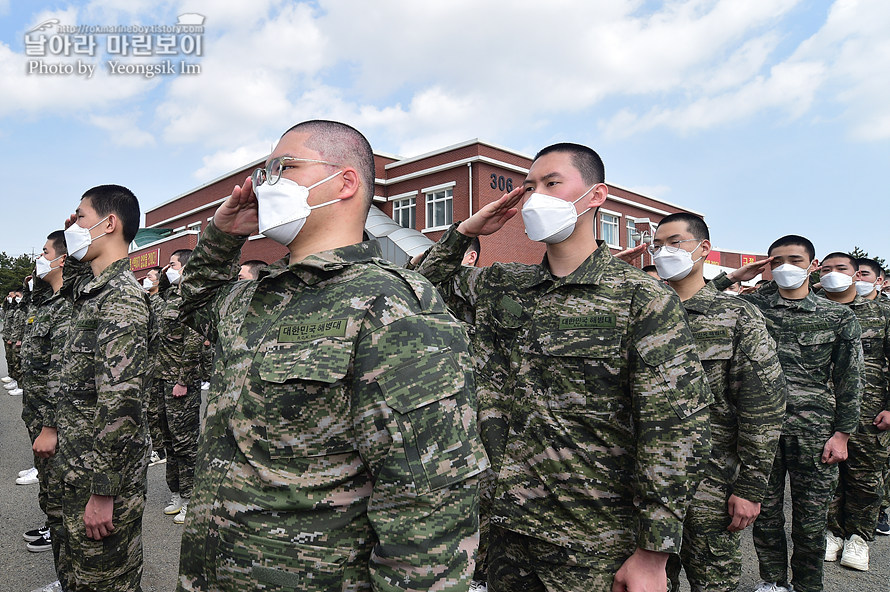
{"points": [[12, 271], [860, 254]]}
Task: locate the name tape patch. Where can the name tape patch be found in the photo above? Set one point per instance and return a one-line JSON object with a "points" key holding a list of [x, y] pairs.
{"points": [[597, 321], [312, 330]]}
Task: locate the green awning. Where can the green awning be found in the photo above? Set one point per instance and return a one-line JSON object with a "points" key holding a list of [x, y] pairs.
{"points": [[150, 235]]}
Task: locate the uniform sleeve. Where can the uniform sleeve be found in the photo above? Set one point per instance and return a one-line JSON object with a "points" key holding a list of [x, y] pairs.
{"points": [[846, 374], [118, 430], [670, 405], [416, 424], [886, 386], [191, 356], [757, 385], [61, 320], [212, 266]]}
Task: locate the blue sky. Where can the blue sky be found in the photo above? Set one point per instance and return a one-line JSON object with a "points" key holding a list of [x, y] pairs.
{"points": [[769, 116]]}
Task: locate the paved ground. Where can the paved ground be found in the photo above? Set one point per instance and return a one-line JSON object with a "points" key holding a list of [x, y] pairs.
{"points": [[21, 571]]}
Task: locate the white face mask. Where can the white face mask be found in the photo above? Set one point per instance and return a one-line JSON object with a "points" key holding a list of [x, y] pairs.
{"points": [[44, 265], [147, 284], [31, 285], [549, 219], [173, 275], [78, 239], [18, 299], [865, 288], [674, 267], [790, 277], [284, 207], [836, 281], [9, 299]]}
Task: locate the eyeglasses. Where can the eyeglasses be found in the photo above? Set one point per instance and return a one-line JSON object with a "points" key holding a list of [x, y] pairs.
{"points": [[272, 172], [671, 248]]}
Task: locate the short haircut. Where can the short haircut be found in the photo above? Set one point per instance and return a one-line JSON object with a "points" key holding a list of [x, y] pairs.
{"points": [[695, 224], [155, 269], [183, 255], [117, 200], [872, 265], [838, 255], [794, 240], [57, 238], [342, 144], [254, 266], [586, 160], [650, 269], [475, 245]]}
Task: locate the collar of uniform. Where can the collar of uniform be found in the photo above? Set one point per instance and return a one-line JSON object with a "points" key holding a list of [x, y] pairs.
{"points": [[318, 266], [701, 301], [589, 272], [858, 301], [113, 270], [808, 303]]}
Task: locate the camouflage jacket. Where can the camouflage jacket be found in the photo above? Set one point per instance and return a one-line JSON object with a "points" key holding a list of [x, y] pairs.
{"points": [[42, 354], [743, 370], [103, 438], [19, 320], [821, 356], [176, 348], [592, 400], [340, 436], [874, 320]]}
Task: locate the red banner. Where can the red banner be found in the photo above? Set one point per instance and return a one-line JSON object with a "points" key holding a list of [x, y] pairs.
{"points": [[145, 260]]}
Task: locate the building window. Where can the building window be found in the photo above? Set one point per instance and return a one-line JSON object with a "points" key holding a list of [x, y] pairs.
{"points": [[438, 208], [631, 231], [404, 212], [609, 229]]}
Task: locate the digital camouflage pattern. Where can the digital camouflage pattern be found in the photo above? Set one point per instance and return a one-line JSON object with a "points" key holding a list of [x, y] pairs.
{"points": [[857, 501], [742, 366], [180, 425], [154, 398], [819, 348], [592, 400], [103, 439], [340, 448]]}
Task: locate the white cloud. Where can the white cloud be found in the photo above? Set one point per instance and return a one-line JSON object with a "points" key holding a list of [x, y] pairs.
{"points": [[123, 130], [226, 160]]}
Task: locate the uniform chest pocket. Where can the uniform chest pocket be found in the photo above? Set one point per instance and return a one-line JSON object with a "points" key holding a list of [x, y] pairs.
{"points": [[816, 348], [581, 370], [713, 350], [80, 368], [306, 399]]}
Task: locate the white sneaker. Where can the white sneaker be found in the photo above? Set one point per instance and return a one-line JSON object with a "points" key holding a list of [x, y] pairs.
{"points": [[11, 385], [15, 392], [833, 546], [24, 472], [174, 506], [771, 587], [6, 379], [29, 479], [477, 586], [205, 386], [180, 518], [156, 459], [855, 553]]}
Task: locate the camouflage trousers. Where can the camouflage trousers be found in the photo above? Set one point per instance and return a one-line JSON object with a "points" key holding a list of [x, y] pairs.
{"points": [[13, 361], [812, 487], [857, 500], [710, 554], [181, 423], [518, 562], [487, 482], [154, 404], [113, 564]]}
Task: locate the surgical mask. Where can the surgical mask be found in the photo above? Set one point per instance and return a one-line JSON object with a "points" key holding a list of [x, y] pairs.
{"points": [[78, 239], [674, 266], [44, 265], [31, 285], [549, 219], [18, 299], [284, 207], [147, 284], [836, 281], [173, 275], [9, 299], [865, 288], [790, 277]]}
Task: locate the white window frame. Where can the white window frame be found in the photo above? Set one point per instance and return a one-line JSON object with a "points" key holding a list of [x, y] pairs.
{"points": [[406, 204], [438, 194], [616, 225], [631, 227]]}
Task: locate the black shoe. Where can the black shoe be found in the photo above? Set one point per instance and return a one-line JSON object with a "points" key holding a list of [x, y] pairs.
{"points": [[36, 534], [883, 526], [40, 545]]}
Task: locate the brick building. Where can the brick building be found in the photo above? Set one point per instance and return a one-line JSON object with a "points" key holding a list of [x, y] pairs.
{"points": [[423, 195]]}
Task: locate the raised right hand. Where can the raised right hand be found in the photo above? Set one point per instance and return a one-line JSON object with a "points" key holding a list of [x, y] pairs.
{"points": [[493, 216], [238, 214]]}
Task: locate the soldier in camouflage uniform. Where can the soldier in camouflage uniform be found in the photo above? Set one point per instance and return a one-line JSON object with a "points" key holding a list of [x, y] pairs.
{"points": [[103, 437], [154, 392], [177, 370], [42, 368], [14, 337], [821, 356], [854, 511], [593, 403], [339, 450], [744, 374], [869, 286]]}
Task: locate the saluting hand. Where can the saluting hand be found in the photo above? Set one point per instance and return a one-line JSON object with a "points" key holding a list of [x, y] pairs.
{"points": [[238, 214], [493, 216]]}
